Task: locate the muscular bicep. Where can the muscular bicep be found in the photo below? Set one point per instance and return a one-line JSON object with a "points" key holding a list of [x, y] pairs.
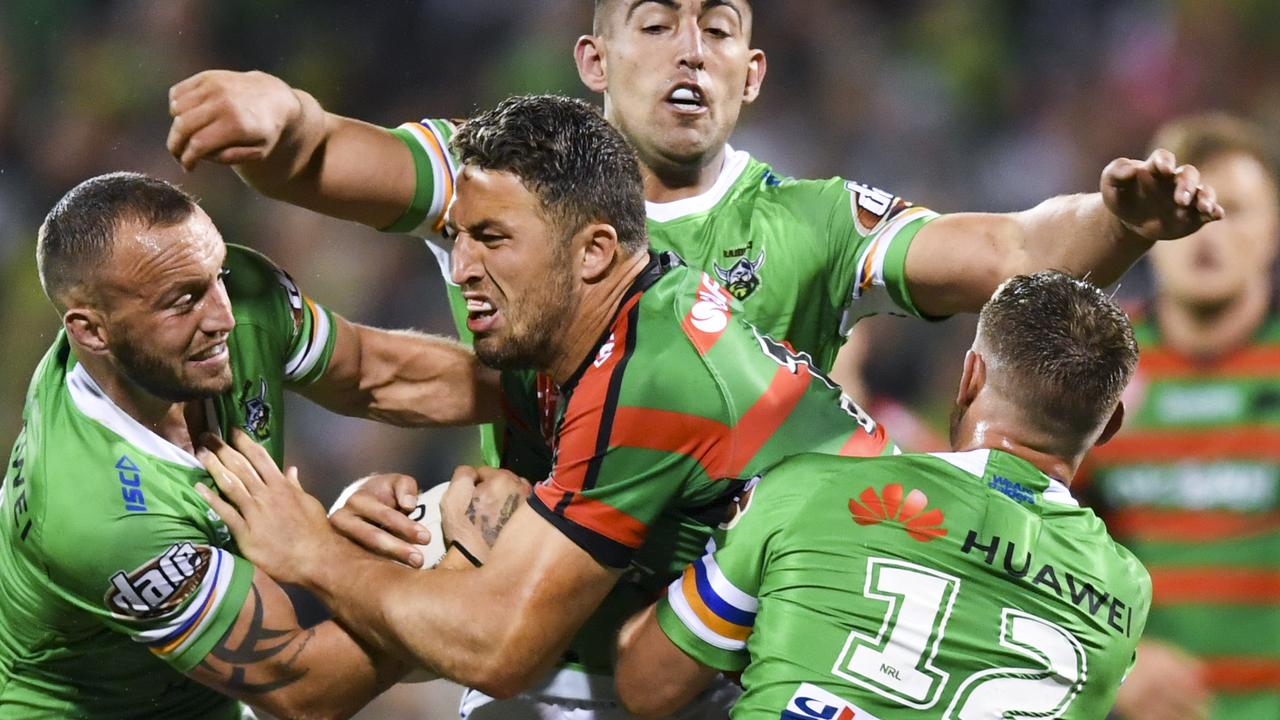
{"points": [[654, 677], [360, 172], [956, 261], [268, 660], [404, 378]]}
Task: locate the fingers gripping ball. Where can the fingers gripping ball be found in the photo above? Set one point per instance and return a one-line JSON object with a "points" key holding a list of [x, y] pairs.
{"points": [[427, 514]]}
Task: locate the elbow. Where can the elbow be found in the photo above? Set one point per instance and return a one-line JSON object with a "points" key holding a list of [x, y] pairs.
{"points": [[504, 670], [502, 682]]}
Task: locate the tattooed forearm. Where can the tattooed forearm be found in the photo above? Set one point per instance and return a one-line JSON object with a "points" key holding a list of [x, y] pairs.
{"points": [[257, 644], [489, 529]]}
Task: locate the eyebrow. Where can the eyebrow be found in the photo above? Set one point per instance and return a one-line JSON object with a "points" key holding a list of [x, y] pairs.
{"points": [[674, 5]]}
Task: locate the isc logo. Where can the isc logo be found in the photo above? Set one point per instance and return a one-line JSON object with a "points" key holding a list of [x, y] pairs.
{"points": [[810, 702], [130, 485]]}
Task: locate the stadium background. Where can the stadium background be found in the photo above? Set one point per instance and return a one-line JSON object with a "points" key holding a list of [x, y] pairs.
{"points": [[965, 105]]}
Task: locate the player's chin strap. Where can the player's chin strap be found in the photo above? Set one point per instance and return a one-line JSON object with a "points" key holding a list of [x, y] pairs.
{"points": [[465, 553]]}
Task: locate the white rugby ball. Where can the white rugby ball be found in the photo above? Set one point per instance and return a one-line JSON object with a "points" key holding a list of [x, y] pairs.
{"points": [[426, 513]]}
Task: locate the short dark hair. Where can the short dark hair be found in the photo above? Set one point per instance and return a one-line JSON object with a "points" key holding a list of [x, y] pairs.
{"points": [[566, 154], [1063, 349], [79, 232], [1198, 139]]}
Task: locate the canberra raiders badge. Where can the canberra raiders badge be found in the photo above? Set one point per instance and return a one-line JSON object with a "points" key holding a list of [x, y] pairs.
{"points": [[742, 278], [257, 413]]}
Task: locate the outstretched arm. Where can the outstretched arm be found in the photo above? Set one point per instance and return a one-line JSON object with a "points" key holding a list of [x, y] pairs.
{"points": [[287, 147], [958, 260], [405, 378], [270, 662]]}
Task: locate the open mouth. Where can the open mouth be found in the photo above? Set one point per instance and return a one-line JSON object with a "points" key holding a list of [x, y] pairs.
{"points": [[480, 315], [687, 98], [213, 352]]}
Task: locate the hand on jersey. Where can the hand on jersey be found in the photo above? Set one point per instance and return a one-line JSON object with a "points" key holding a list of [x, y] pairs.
{"points": [[478, 503], [1157, 198], [229, 117], [376, 517], [279, 527], [1165, 684]]}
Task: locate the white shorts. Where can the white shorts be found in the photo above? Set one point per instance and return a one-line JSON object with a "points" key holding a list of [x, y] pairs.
{"points": [[568, 694]]}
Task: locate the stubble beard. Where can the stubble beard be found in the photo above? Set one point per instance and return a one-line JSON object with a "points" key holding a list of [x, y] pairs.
{"points": [[153, 374], [531, 343]]}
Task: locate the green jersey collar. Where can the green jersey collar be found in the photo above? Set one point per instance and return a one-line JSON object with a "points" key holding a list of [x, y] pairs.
{"points": [[90, 400], [735, 161], [980, 462]]}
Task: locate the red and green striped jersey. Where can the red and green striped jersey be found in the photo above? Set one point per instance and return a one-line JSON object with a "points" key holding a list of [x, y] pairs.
{"points": [[949, 585], [117, 576], [681, 402], [1192, 485], [807, 258]]}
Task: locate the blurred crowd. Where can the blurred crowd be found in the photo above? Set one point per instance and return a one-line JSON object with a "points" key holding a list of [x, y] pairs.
{"points": [[957, 105]]}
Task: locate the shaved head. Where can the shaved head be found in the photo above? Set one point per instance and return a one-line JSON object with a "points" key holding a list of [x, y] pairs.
{"points": [[79, 233]]}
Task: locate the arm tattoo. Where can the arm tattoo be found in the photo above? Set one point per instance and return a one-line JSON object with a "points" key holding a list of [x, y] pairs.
{"points": [[489, 529], [258, 644]]}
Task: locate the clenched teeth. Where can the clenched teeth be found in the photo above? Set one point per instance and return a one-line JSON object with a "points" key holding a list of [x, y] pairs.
{"points": [[686, 96], [211, 352]]}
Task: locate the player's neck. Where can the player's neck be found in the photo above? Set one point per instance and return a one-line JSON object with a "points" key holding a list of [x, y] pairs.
{"points": [[1206, 333], [176, 422], [667, 182], [596, 310], [995, 436]]}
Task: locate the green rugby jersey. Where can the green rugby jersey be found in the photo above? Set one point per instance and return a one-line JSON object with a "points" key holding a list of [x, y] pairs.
{"points": [[807, 258], [952, 585], [118, 577], [679, 404], [1192, 485]]}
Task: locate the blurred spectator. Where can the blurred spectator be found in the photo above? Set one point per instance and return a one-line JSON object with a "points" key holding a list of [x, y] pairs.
{"points": [[1192, 484]]}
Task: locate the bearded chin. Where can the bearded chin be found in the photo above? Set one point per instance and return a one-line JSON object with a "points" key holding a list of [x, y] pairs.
{"points": [[530, 345], [158, 378]]}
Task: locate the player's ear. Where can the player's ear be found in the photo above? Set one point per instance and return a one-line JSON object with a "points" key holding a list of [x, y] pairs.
{"points": [[1113, 425], [597, 246], [86, 329], [756, 66], [588, 55], [972, 378]]}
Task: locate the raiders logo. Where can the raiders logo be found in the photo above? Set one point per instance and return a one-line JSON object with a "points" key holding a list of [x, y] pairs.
{"points": [[161, 585], [743, 277], [257, 413]]}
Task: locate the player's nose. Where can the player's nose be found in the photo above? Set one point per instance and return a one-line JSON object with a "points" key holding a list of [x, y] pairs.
{"points": [[465, 265], [218, 318], [690, 43]]}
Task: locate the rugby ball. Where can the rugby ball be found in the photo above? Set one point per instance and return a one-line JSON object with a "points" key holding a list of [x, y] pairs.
{"points": [[426, 513]]}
